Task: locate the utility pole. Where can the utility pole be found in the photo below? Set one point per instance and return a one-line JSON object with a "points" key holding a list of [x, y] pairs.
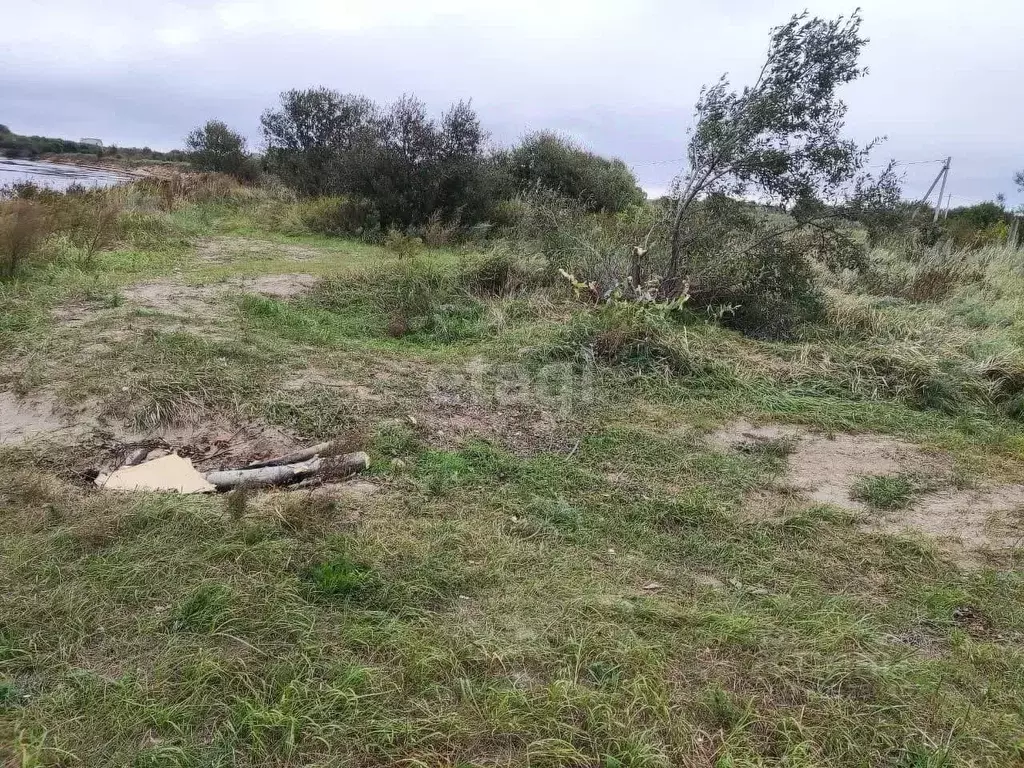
{"points": [[945, 211], [942, 189], [940, 175]]}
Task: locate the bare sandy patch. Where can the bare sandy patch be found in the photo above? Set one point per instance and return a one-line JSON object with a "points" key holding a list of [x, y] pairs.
{"points": [[986, 518], [177, 298], [171, 296], [824, 468], [346, 388], [22, 419], [226, 250], [279, 286]]}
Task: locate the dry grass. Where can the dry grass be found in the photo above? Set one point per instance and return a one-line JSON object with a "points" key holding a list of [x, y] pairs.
{"points": [[23, 226]]}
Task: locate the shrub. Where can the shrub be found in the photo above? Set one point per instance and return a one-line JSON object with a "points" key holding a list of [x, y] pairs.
{"points": [[340, 216], [101, 230], [402, 245], [553, 162], [765, 290], [595, 248], [761, 285], [23, 225], [215, 147], [500, 273]]}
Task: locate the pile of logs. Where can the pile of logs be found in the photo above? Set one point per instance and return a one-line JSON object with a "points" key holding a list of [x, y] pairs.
{"points": [[321, 462], [317, 460]]}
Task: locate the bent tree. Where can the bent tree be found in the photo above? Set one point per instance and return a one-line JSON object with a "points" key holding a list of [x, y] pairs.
{"points": [[777, 141]]}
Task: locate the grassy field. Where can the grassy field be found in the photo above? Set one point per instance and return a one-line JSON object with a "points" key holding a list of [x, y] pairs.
{"points": [[587, 538]]}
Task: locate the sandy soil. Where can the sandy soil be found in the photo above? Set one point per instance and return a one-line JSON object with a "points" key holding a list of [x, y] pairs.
{"points": [[823, 469]]}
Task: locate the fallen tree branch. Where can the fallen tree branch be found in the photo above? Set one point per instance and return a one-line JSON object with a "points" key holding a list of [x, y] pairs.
{"points": [[251, 477], [320, 449]]}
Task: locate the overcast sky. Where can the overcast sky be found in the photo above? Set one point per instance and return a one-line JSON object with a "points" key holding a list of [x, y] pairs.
{"points": [[946, 77]]}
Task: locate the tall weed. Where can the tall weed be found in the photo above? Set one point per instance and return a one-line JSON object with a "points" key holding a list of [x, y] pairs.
{"points": [[23, 225]]}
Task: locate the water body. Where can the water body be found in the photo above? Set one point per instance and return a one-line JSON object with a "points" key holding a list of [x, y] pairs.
{"points": [[57, 175]]}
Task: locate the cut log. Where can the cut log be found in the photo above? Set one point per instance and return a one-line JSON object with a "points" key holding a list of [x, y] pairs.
{"points": [[320, 449], [334, 467], [252, 477]]}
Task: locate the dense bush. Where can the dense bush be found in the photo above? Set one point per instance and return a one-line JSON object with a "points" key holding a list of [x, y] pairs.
{"points": [[596, 248], [215, 147], [556, 163], [317, 141], [14, 146], [410, 166], [745, 276], [973, 227]]}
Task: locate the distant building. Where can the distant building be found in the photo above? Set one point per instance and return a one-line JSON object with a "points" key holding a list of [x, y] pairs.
{"points": [[92, 142]]}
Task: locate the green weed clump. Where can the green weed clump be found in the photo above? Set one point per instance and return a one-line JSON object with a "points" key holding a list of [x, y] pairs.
{"points": [[413, 298], [641, 339], [340, 216], [885, 491], [341, 578]]}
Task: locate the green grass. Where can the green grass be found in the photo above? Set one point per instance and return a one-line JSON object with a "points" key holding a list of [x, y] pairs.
{"points": [[598, 595], [885, 491]]}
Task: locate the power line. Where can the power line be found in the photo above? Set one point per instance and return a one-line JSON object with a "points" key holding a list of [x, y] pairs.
{"points": [[662, 162], [897, 164]]}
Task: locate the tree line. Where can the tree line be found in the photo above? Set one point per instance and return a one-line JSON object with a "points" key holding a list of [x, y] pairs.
{"points": [[18, 146], [408, 165]]}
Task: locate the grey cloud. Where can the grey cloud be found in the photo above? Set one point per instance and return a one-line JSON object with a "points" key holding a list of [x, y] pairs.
{"points": [[621, 77]]}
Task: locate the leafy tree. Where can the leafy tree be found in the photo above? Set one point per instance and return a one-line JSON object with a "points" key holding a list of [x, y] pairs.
{"points": [[779, 139], [1018, 179], [215, 147], [319, 140], [424, 167], [548, 160]]}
